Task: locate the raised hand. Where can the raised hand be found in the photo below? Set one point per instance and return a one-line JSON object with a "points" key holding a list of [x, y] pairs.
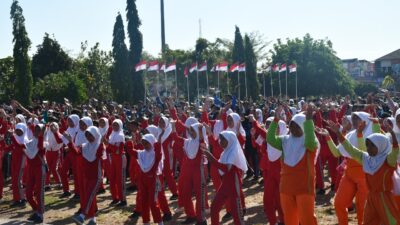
{"points": [[208, 128], [322, 131], [333, 127], [173, 122], [67, 136], [310, 111], [278, 112], [251, 118]]}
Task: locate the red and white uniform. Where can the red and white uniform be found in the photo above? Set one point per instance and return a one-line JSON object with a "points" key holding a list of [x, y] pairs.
{"points": [[53, 148]]}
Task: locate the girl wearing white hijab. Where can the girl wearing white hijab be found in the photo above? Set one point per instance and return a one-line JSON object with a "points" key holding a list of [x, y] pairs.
{"points": [[271, 168], [193, 179], [18, 163], [353, 184], [235, 125], [91, 173], [69, 158], [115, 147], [379, 164], [105, 131], [35, 151], [53, 149], [148, 178], [231, 165], [164, 126], [299, 151]]}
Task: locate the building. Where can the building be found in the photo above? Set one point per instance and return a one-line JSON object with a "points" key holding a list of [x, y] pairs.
{"points": [[388, 64], [361, 70]]}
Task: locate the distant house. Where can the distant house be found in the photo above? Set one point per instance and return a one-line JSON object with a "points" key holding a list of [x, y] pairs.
{"points": [[361, 70], [388, 64]]}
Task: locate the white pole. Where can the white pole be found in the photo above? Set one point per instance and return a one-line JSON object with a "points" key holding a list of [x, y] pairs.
{"points": [[238, 83], [227, 81], [197, 74], [263, 83], [272, 87], [187, 87], [280, 89], [245, 80], [207, 81], [296, 85], [218, 80], [144, 81], [286, 86], [165, 83], [158, 81], [176, 82]]}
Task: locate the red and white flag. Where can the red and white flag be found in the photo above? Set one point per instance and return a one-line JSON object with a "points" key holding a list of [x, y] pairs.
{"points": [[268, 69], [283, 68], [203, 67], [234, 67], [242, 67], [153, 66], [275, 68], [223, 67], [186, 72], [193, 68], [142, 65], [171, 67], [162, 68], [292, 68]]}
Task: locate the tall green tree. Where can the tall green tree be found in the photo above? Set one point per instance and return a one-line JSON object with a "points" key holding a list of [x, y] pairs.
{"points": [[317, 67], [238, 56], [251, 71], [120, 70], [136, 84], [22, 64], [49, 58]]}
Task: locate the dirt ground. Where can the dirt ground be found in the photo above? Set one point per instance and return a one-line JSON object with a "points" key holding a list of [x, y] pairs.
{"points": [[59, 211]]}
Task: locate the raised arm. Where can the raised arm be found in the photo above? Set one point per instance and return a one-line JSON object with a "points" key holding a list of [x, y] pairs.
{"points": [[272, 138], [309, 134]]}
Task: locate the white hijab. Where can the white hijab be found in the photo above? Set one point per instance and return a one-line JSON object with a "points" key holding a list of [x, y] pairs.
{"points": [[50, 142], [273, 153], [89, 149], [104, 130], [168, 129], [146, 158], [23, 139], [188, 123], [80, 138], [153, 130], [293, 147], [352, 135], [34, 122], [31, 146], [233, 153], [117, 136], [191, 146], [236, 119], [218, 128], [371, 164], [259, 116], [21, 118], [396, 128], [72, 130]]}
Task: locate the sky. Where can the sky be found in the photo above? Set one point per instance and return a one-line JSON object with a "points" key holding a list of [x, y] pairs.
{"points": [[364, 29]]}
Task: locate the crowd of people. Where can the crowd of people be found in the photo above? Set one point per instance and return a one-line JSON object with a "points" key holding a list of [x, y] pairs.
{"points": [[167, 144]]}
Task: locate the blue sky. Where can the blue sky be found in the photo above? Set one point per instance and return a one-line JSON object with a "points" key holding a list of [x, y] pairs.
{"points": [[364, 29]]}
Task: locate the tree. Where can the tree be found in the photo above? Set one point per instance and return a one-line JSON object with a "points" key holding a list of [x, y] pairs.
{"points": [[251, 70], [238, 56], [136, 84], [319, 70], [22, 66], [49, 58], [120, 70], [57, 86], [7, 79], [364, 89]]}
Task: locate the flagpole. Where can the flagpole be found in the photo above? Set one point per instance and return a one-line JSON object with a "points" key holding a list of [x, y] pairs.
{"points": [[286, 86], [165, 83], [176, 82], [207, 81], [218, 80], [144, 81], [296, 85], [272, 87], [263, 83], [280, 89], [238, 83], [227, 81], [197, 74], [187, 87], [158, 80], [245, 79]]}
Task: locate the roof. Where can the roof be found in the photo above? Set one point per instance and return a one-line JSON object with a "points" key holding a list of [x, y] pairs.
{"points": [[349, 60], [390, 56]]}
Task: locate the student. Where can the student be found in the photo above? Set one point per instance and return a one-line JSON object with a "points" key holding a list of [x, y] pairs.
{"points": [[194, 179], [69, 161], [353, 183], [379, 164], [116, 145], [105, 131], [271, 169], [149, 183], [91, 152], [297, 183], [37, 169], [18, 163], [231, 165], [53, 149]]}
